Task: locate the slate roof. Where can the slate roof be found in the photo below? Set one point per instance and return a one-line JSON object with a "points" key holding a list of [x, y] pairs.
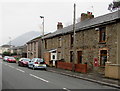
{"points": [[33, 40], [89, 23], [37, 38], [18, 47], [7, 46]]}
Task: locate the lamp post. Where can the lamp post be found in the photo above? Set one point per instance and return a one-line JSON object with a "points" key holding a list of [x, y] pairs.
{"points": [[42, 17]]}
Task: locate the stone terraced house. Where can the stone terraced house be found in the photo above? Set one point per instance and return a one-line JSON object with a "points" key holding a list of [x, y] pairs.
{"points": [[97, 42], [34, 48], [19, 51]]}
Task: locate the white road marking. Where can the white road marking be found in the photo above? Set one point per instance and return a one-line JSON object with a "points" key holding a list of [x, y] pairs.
{"points": [[20, 70], [5, 64], [66, 89], [38, 78], [10, 66]]}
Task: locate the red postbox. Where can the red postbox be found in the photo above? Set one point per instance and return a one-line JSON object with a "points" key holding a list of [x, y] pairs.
{"points": [[95, 62]]}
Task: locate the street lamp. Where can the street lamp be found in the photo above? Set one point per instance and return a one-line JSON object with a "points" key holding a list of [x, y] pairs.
{"points": [[42, 17]]}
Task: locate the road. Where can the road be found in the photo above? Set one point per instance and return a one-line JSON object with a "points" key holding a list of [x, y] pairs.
{"points": [[15, 77]]}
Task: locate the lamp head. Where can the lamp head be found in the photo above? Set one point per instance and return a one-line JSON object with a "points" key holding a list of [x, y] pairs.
{"points": [[41, 16]]}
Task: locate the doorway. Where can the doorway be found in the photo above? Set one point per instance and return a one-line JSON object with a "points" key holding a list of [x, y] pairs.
{"points": [[79, 57]]}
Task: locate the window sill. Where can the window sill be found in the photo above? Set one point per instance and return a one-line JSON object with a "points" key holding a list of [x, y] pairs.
{"points": [[102, 43], [71, 46]]}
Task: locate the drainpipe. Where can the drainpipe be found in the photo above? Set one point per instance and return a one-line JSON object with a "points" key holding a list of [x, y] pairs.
{"points": [[118, 41]]}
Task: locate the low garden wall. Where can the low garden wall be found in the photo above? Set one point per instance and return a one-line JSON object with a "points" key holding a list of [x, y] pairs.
{"points": [[78, 67], [112, 71]]}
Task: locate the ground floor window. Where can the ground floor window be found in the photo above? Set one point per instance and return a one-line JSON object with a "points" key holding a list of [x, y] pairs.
{"points": [[34, 54], [59, 56], [103, 57]]}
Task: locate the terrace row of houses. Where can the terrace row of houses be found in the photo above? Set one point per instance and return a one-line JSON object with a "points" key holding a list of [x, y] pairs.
{"points": [[97, 42]]}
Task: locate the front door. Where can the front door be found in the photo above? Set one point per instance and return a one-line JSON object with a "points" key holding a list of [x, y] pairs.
{"points": [[103, 57], [79, 57]]}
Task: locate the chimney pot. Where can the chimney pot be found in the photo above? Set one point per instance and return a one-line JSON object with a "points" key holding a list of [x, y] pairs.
{"points": [[87, 15], [59, 25]]}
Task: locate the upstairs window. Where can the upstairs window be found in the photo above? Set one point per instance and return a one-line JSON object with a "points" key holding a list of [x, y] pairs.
{"points": [[28, 46], [35, 46], [60, 41], [102, 34], [31, 46], [72, 39], [45, 44]]}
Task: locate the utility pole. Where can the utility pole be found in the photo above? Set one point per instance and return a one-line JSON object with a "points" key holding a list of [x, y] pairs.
{"points": [[42, 17], [74, 39]]}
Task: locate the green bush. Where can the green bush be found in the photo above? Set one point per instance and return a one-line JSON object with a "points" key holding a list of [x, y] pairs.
{"points": [[17, 58], [6, 54]]}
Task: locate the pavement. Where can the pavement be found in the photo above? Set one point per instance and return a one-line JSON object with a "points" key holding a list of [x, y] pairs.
{"points": [[97, 78]]}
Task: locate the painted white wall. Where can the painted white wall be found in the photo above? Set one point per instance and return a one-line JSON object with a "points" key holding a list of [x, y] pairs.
{"points": [[2, 49], [53, 54]]}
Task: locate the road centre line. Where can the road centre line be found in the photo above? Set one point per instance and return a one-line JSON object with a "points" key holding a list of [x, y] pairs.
{"points": [[20, 70], [38, 78], [11, 66], [6, 64]]}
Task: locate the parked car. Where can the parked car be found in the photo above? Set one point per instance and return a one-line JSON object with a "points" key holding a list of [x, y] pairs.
{"points": [[11, 59], [1, 57], [37, 63], [23, 61], [5, 58]]}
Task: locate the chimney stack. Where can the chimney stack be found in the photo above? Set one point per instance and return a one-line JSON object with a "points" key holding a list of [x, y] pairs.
{"points": [[59, 25], [87, 15]]}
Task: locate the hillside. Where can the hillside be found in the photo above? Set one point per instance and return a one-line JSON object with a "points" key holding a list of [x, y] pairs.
{"points": [[22, 39]]}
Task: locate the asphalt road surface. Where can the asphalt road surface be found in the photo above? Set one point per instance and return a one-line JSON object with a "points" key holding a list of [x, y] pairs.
{"points": [[15, 77]]}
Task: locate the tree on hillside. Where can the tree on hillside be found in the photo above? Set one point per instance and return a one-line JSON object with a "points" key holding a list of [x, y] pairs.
{"points": [[114, 5]]}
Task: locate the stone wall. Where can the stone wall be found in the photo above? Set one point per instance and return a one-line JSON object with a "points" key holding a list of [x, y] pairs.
{"points": [[112, 71], [87, 41], [34, 49], [118, 42]]}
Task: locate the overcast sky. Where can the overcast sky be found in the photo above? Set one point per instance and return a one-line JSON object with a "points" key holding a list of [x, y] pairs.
{"points": [[20, 16]]}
